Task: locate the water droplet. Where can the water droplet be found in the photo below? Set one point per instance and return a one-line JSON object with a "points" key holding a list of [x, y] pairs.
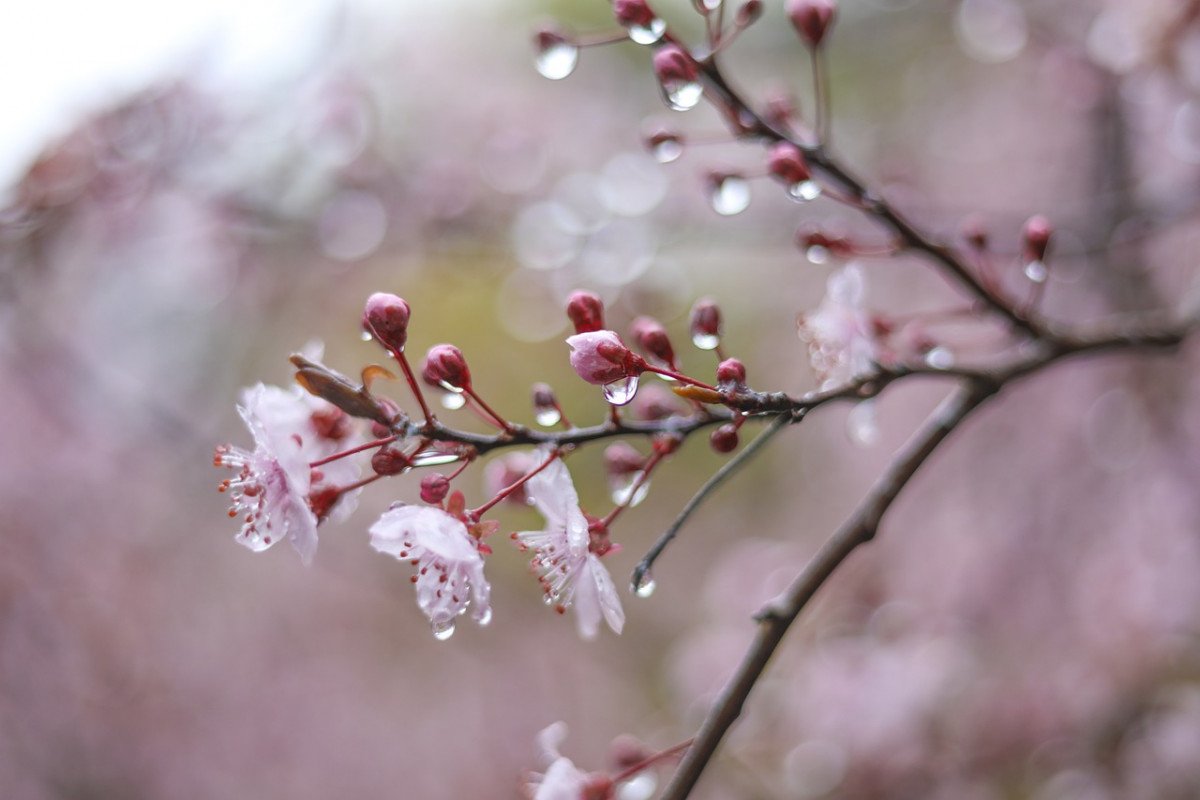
{"points": [[804, 191], [639, 787], [620, 392], [712, 5], [450, 387], [621, 492], [366, 336], [443, 630], [706, 341], [453, 401], [682, 95], [547, 417], [729, 195], [558, 60], [433, 458], [645, 585], [940, 358], [667, 150], [485, 618], [817, 254], [861, 424], [1036, 271], [649, 33]]}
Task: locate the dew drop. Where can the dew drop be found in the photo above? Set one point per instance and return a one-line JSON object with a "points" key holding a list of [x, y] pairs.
{"points": [[804, 191], [453, 401], [620, 392], [558, 60], [443, 630], [667, 150], [861, 424], [434, 458], [682, 95], [547, 417], [940, 358], [645, 585], [817, 254], [450, 387], [729, 195], [1036, 271], [485, 618], [649, 33], [621, 493], [706, 341], [366, 336]]}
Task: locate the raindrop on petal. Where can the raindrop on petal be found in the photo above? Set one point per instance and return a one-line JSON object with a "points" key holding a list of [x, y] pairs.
{"points": [[649, 33], [804, 191], [558, 60], [620, 392], [443, 630], [729, 195], [547, 417], [682, 95]]}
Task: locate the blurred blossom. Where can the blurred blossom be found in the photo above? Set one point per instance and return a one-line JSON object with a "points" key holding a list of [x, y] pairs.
{"points": [[632, 184], [991, 30], [352, 225]]}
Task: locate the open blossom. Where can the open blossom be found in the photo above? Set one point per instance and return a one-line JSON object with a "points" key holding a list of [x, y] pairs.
{"points": [[562, 780], [275, 491], [601, 357], [840, 333], [449, 577], [570, 572]]}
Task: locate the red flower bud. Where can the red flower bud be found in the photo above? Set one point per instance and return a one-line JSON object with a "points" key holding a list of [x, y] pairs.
{"points": [[586, 312], [434, 488], [673, 65], [601, 357], [386, 318], [724, 439], [731, 371], [446, 367], [649, 334], [749, 13], [1036, 235], [389, 461], [786, 163], [633, 12], [621, 459], [812, 18], [706, 324]]}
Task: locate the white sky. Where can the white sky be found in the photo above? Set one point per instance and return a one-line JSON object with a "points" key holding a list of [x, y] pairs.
{"points": [[60, 59]]}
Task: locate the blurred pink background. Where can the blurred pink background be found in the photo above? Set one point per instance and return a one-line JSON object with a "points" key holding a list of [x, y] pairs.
{"points": [[1026, 624]]}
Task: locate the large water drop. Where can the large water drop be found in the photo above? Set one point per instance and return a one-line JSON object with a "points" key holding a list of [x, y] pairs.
{"points": [[729, 195], [1036, 271], [649, 33], [558, 60], [682, 95], [620, 392], [645, 585], [804, 191], [706, 341], [547, 417], [453, 401], [443, 630]]}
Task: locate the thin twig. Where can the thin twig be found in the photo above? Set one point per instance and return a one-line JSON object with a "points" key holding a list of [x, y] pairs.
{"points": [[719, 477]]}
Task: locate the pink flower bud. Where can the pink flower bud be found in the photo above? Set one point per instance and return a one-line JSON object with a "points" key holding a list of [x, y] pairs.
{"points": [[706, 324], [748, 13], [386, 318], [601, 357], [586, 312], [389, 461], [621, 459], [434, 488], [633, 12], [779, 109], [724, 439], [731, 371], [446, 367], [548, 37], [812, 18], [674, 66], [649, 334], [786, 163], [1036, 236], [543, 397]]}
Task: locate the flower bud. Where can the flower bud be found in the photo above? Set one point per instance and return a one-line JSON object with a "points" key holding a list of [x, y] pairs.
{"points": [[621, 459], [731, 371], [667, 443], [434, 488], [1036, 237], [385, 317], [446, 367], [786, 163], [706, 324], [389, 461], [748, 13], [390, 410], [672, 65], [812, 18], [601, 357], [649, 334], [586, 312], [633, 12], [724, 439]]}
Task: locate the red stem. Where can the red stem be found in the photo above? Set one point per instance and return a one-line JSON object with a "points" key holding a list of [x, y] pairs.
{"points": [[416, 388], [353, 450], [506, 491], [642, 477], [499, 420], [629, 772], [679, 377]]}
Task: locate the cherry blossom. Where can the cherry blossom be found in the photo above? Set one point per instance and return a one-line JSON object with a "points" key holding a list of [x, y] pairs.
{"points": [[840, 333], [449, 577], [562, 780], [275, 492], [565, 556]]}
